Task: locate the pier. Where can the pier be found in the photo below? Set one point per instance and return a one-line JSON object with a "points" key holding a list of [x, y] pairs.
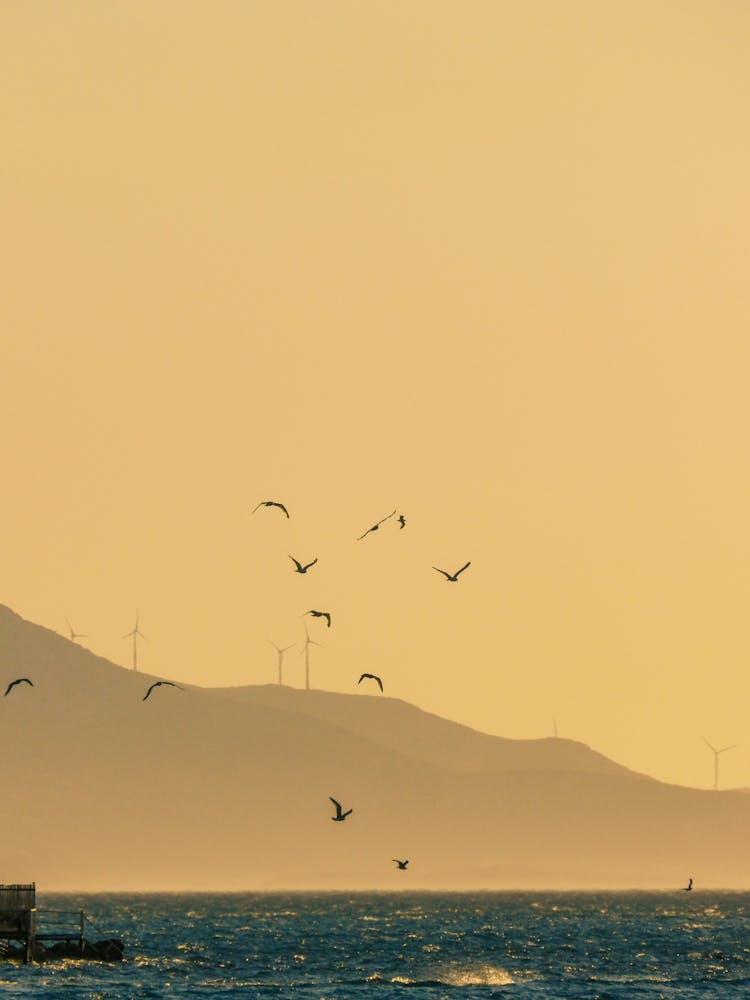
{"points": [[28, 934]]}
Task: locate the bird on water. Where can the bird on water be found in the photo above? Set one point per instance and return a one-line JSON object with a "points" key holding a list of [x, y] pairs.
{"points": [[271, 503], [157, 684], [299, 567], [20, 680], [453, 578], [376, 525], [340, 815], [401, 864], [320, 614], [372, 677], [689, 886]]}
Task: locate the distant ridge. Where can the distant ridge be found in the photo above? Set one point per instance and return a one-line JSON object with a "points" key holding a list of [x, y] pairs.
{"points": [[410, 730], [229, 789]]}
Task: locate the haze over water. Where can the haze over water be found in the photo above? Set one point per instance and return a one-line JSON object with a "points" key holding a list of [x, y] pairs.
{"points": [[475, 946]]}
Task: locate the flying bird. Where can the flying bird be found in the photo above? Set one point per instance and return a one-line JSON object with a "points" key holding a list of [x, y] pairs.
{"points": [[401, 520], [300, 568], [320, 614], [454, 577], [271, 503], [376, 526], [340, 816], [688, 887], [157, 684], [401, 864], [372, 677], [20, 680]]}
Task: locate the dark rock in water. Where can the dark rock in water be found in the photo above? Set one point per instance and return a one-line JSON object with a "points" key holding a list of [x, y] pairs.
{"points": [[109, 950]]}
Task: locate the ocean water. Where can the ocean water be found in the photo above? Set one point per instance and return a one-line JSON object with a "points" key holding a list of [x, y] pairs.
{"points": [[333, 946]]}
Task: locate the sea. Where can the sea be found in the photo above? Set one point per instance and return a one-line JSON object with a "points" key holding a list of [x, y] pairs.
{"points": [[338, 946]]}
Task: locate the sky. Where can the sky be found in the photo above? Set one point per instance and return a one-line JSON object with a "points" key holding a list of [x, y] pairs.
{"points": [[482, 263]]}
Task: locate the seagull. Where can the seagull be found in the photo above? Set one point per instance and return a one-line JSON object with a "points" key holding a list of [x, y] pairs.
{"points": [[376, 526], [401, 520], [320, 614], [373, 677], [454, 577], [401, 864], [340, 816], [300, 568], [21, 680], [271, 503], [157, 684], [689, 886], [75, 635]]}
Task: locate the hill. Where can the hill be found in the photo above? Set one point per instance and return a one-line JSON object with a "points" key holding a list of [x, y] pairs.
{"points": [[229, 790], [408, 729]]}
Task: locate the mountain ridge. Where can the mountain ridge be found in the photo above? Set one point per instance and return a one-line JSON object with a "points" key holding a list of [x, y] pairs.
{"points": [[195, 789]]}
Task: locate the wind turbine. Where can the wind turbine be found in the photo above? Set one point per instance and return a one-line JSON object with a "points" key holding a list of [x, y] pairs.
{"points": [[554, 726], [306, 650], [135, 633], [716, 760], [75, 635], [280, 650]]}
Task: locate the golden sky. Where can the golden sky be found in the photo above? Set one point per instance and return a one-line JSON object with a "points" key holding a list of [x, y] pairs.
{"points": [[485, 263]]}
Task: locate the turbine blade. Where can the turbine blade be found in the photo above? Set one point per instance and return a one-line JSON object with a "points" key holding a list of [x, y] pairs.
{"points": [[708, 744]]}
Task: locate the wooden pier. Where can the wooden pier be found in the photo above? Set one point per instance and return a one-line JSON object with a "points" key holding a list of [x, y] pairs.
{"points": [[30, 935]]}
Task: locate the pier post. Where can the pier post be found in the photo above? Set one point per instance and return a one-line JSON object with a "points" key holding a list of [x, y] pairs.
{"points": [[30, 953]]}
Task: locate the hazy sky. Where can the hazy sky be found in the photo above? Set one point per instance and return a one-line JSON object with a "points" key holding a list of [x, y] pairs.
{"points": [[485, 263]]}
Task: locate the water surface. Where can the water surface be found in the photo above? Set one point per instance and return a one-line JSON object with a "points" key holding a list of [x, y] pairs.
{"points": [[333, 946]]}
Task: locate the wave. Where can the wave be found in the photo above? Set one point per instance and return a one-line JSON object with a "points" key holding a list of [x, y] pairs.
{"points": [[475, 975]]}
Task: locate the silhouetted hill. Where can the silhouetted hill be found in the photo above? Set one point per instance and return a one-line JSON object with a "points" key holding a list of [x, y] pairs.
{"points": [[199, 789], [408, 729]]}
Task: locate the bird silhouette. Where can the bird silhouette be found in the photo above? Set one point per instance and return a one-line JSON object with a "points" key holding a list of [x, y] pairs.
{"points": [[20, 680], [689, 886], [340, 816], [271, 503], [401, 520], [372, 677], [320, 614], [376, 526], [300, 568], [157, 684], [452, 577], [401, 864]]}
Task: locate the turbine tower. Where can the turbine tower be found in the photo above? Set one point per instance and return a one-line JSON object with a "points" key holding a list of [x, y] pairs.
{"points": [[716, 760], [306, 650], [135, 633], [75, 635], [280, 650]]}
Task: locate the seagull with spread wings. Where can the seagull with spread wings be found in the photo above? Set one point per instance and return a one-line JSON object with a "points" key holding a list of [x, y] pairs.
{"points": [[376, 526], [299, 567], [340, 815], [452, 577], [157, 684], [320, 614], [19, 680], [401, 864], [372, 677], [271, 503]]}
